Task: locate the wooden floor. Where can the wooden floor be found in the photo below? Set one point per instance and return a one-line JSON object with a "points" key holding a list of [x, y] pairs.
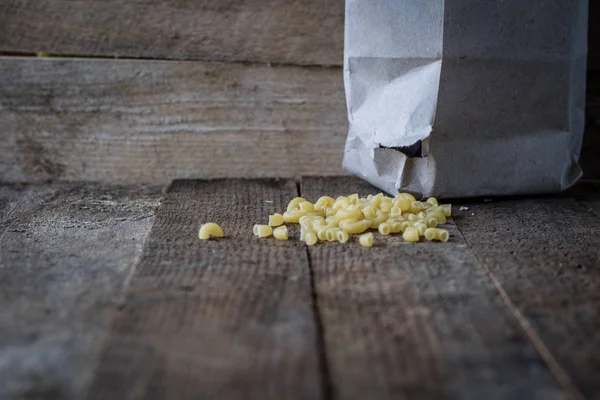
{"points": [[104, 294]]}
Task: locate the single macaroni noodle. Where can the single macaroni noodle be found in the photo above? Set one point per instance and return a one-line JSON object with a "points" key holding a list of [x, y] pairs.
{"points": [[276, 220], [208, 230], [437, 234], [366, 240], [281, 233], [262, 231]]}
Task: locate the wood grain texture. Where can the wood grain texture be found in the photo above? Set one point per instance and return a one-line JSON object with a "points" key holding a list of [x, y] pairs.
{"points": [[65, 252], [278, 31], [417, 321], [545, 254], [227, 319], [153, 121]]}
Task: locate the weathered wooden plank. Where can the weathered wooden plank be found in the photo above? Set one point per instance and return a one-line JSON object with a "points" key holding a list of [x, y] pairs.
{"points": [[226, 319], [417, 321], [544, 253], [152, 121], [65, 253], [278, 31]]}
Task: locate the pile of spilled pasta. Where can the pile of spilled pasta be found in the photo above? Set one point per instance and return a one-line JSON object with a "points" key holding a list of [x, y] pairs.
{"points": [[334, 220]]}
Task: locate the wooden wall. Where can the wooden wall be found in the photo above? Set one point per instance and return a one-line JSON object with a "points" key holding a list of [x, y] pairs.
{"points": [[162, 89]]}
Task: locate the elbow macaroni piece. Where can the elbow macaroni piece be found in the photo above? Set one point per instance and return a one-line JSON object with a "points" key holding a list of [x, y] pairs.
{"points": [[281, 233], [438, 215], [276, 220], [437, 234], [311, 238], [306, 206], [433, 201], [324, 201], [366, 240], [342, 236], [262, 231], [410, 235], [384, 228], [355, 226], [294, 203], [447, 209], [208, 230], [381, 217]]}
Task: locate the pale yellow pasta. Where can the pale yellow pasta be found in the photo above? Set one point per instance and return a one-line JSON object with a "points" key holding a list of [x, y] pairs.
{"points": [[437, 234], [276, 220], [410, 235], [324, 201], [433, 201], [421, 227], [281, 233], [342, 236], [354, 227], [386, 205], [306, 206], [304, 218], [316, 213], [407, 196], [369, 211], [381, 217], [208, 230], [306, 224], [318, 223], [403, 204], [331, 234], [293, 204], [349, 213], [431, 222], [447, 209], [311, 238], [322, 234], [376, 201], [293, 216], [366, 240], [437, 214], [353, 198], [416, 207], [262, 231], [422, 216], [341, 202], [395, 211], [412, 217], [385, 229], [396, 227], [329, 212], [334, 220]]}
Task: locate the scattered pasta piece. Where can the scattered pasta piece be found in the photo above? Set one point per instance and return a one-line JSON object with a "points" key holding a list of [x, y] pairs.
{"points": [[281, 233], [437, 234], [411, 234], [311, 238], [208, 230], [262, 231], [366, 240], [276, 220]]}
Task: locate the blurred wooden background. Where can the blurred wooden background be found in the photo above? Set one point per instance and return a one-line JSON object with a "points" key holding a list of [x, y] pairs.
{"points": [[149, 91]]}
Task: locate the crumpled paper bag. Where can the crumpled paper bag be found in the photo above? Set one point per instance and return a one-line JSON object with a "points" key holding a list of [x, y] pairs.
{"points": [[460, 98]]}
